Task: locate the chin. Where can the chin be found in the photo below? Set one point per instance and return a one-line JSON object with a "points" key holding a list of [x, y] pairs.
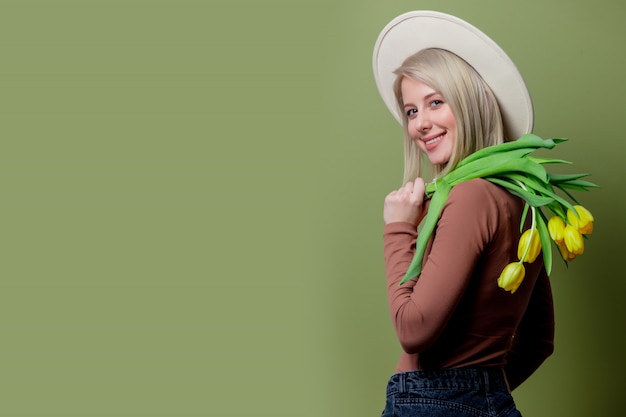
{"points": [[441, 163]]}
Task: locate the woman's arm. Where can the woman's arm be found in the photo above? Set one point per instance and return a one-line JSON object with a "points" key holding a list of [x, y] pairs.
{"points": [[421, 307]]}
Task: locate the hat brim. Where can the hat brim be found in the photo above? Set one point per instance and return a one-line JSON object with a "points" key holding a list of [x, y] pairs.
{"points": [[411, 32]]}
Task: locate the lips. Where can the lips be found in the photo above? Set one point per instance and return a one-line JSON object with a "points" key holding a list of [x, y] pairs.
{"points": [[432, 141]]}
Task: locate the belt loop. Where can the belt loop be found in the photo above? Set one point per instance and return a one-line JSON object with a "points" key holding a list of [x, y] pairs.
{"points": [[486, 379]]}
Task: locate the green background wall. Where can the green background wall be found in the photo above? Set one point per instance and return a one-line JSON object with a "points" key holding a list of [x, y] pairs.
{"points": [[191, 204]]}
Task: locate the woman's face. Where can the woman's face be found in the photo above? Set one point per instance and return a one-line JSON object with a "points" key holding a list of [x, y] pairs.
{"points": [[431, 124]]}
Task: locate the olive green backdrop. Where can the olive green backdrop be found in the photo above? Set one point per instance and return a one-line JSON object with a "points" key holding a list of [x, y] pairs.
{"points": [[191, 195]]}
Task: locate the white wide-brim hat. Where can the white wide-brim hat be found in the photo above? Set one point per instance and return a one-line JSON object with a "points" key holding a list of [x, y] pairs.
{"points": [[411, 32]]}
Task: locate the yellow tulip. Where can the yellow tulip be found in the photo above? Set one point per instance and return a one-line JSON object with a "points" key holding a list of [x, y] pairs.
{"points": [[573, 240], [565, 254], [556, 225], [512, 276], [529, 244], [583, 222]]}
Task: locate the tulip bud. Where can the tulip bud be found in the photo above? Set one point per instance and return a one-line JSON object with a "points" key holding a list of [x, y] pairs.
{"points": [[583, 222], [555, 228], [511, 277], [565, 254], [573, 240], [529, 244]]}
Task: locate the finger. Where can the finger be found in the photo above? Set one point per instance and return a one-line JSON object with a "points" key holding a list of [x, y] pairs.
{"points": [[418, 186]]}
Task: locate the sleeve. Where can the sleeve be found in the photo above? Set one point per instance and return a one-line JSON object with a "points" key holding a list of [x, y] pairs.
{"points": [[533, 341], [421, 307]]}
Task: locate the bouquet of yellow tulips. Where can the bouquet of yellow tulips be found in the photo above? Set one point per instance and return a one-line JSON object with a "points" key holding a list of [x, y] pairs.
{"points": [[511, 166]]}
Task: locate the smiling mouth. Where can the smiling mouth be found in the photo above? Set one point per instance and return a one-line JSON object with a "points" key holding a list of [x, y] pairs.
{"points": [[433, 140]]}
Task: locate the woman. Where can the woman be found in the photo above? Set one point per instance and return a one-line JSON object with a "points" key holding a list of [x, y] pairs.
{"points": [[466, 343]]}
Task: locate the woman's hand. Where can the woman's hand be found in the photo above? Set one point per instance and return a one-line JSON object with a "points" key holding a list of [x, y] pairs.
{"points": [[405, 204]]}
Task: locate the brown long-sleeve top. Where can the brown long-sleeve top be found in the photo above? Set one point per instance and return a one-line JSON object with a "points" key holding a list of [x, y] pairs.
{"points": [[454, 314]]}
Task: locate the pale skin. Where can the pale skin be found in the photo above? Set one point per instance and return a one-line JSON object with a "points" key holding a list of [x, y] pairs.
{"points": [[405, 204], [432, 127]]}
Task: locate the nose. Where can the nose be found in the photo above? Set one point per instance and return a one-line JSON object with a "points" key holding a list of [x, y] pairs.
{"points": [[423, 122]]}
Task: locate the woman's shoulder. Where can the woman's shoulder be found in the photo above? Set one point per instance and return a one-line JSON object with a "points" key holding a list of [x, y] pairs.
{"points": [[481, 202], [483, 194], [477, 189]]}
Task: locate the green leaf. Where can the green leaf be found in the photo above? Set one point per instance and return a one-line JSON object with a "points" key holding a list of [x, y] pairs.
{"points": [[495, 165], [557, 209], [578, 185], [530, 181], [559, 140], [544, 189], [529, 197], [555, 178], [529, 142], [546, 242], [474, 168], [548, 160], [570, 196], [523, 220]]}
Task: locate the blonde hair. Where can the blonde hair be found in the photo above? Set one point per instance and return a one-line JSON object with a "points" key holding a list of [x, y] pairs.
{"points": [[473, 104]]}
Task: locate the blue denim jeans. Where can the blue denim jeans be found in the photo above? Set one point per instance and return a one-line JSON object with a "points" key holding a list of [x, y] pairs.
{"points": [[451, 393]]}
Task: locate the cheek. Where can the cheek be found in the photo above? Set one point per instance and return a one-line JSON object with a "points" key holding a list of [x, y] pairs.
{"points": [[451, 121], [419, 144], [410, 125], [450, 124]]}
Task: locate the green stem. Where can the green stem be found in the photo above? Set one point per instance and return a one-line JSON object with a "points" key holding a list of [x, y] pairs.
{"points": [[532, 225], [430, 221]]}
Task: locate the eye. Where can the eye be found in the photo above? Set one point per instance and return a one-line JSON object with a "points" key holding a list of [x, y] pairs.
{"points": [[436, 103], [411, 113]]}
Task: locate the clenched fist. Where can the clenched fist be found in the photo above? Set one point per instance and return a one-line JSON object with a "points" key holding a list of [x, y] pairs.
{"points": [[405, 204]]}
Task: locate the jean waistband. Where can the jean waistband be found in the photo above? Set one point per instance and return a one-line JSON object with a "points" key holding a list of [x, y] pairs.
{"points": [[475, 379]]}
